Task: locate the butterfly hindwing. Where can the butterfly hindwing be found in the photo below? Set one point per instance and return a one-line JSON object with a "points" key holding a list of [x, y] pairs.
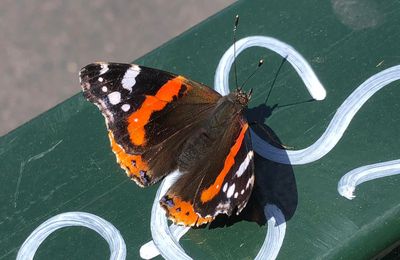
{"points": [[222, 177], [149, 114]]}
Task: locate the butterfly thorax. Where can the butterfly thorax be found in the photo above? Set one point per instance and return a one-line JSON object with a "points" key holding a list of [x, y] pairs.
{"points": [[240, 97], [227, 110]]}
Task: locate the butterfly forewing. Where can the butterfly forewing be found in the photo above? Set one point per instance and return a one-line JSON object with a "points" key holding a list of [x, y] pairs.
{"points": [[149, 114]]}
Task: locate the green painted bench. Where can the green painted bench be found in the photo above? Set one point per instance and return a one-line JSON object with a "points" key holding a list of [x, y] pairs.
{"points": [[61, 161]]}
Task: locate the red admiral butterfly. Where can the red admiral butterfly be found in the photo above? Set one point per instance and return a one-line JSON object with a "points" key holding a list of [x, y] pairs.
{"points": [[159, 122]]}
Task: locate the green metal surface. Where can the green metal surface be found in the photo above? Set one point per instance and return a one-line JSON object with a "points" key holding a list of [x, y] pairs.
{"points": [[61, 160]]}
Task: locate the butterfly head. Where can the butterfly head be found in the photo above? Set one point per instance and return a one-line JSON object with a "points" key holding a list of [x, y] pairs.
{"points": [[242, 97]]}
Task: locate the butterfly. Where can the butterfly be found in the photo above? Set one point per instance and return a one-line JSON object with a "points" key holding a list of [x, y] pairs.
{"points": [[159, 122]]}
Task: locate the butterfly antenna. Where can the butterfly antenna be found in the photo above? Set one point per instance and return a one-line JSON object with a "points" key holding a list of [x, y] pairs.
{"points": [[276, 76], [260, 63], [234, 49]]}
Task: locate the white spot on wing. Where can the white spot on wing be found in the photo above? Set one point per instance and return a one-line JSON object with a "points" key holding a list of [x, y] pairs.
{"points": [[242, 191], [129, 79], [225, 187], [135, 120], [125, 107], [104, 68], [104, 89], [236, 195], [222, 208], [243, 166], [230, 191], [114, 97], [100, 79], [250, 182]]}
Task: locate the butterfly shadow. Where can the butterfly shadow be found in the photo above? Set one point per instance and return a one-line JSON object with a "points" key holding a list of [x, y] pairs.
{"points": [[275, 182]]}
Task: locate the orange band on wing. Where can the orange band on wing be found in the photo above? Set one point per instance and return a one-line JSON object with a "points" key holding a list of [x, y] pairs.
{"points": [[182, 212], [213, 190], [141, 117], [132, 164]]}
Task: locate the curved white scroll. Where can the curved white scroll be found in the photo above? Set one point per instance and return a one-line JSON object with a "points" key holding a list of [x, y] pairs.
{"points": [[350, 180], [337, 126], [275, 234], [149, 250], [101, 226], [163, 238], [221, 79], [269, 250]]}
